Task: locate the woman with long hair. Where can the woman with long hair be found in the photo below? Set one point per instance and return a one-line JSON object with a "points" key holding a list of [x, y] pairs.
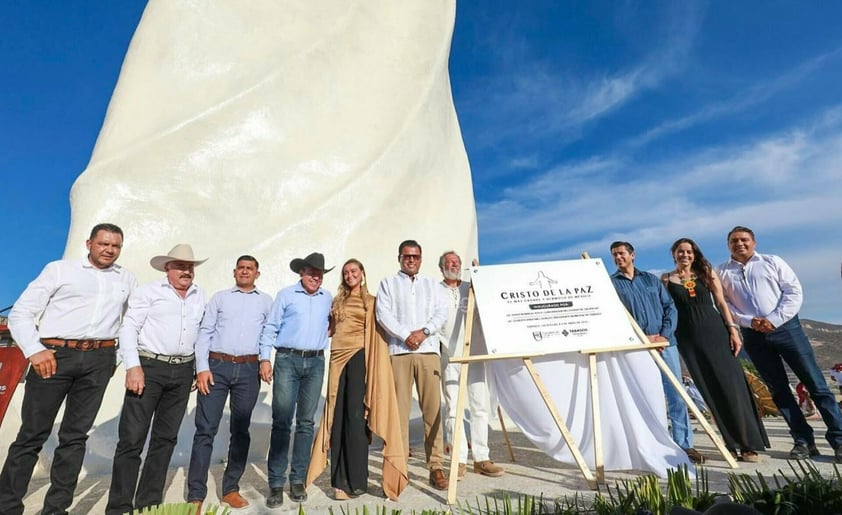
{"points": [[709, 341], [360, 399]]}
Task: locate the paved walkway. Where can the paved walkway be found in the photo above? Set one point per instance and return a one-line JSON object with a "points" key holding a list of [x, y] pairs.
{"points": [[532, 473]]}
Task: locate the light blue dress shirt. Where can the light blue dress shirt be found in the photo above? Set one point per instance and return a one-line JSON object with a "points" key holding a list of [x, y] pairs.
{"points": [[232, 324], [298, 320]]}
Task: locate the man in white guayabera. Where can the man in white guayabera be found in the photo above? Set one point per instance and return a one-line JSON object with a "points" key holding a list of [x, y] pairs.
{"points": [[411, 308]]}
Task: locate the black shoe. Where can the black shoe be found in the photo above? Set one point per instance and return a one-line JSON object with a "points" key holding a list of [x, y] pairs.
{"points": [[297, 492], [276, 497], [800, 451], [814, 451]]}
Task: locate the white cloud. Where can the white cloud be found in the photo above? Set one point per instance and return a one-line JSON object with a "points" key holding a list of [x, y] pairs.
{"points": [[785, 185], [539, 96], [761, 91]]}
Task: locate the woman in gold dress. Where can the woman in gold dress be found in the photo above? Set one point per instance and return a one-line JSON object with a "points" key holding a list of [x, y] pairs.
{"points": [[361, 398]]}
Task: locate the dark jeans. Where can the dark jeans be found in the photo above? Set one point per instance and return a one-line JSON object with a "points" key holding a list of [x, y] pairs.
{"points": [[81, 378], [164, 398], [296, 388], [789, 343], [242, 382]]}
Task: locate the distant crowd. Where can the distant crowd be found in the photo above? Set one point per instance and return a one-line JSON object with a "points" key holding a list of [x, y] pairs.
{"points": [[79, 315]]}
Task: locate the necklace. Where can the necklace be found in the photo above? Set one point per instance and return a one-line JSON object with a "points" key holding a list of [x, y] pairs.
{"points": [[689, 283]]}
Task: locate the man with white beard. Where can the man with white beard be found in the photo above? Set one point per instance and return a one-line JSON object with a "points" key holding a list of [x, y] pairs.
{"points": [[452, 345]]}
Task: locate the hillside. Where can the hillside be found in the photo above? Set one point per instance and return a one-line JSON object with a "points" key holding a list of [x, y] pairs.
{"points": [[826, 340]]}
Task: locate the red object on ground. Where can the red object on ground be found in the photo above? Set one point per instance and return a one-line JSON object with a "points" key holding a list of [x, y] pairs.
{"points": [[12, 367]]}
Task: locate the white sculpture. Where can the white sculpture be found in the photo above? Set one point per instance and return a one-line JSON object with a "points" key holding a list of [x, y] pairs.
{"points": [[278, 128], [275, 128]]}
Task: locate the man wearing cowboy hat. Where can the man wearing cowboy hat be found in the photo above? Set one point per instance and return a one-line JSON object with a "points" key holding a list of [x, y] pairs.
{"points": [[296, 329], [156, 344]]}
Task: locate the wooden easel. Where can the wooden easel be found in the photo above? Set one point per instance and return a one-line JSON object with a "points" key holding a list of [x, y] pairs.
{"points": [[591, 479], [656, 357]]}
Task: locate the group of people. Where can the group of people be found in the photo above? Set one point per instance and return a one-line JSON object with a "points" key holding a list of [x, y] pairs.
{"points": [[707, 315], [75, 319], [69, 321]]}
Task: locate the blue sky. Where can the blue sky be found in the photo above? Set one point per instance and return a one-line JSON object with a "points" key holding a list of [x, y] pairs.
{"points": [[585, 122]]}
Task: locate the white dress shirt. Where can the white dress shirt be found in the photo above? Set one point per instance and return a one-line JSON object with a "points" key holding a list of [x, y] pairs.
{"points": [[405, 304], [160, 321], [764, 287], [75, 301]]}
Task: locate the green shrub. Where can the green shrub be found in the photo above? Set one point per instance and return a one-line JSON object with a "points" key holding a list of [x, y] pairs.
{"points": [[806, 492]]}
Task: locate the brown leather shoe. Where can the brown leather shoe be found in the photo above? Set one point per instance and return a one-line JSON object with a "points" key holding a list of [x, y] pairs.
{"points": [[695, 456], [234, 500], [198, 505], [488, 468], [438, 480], [463, 469]]}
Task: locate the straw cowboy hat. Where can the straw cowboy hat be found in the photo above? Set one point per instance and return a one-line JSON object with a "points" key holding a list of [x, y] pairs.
{"points": [[181, 252], [315, 260]]}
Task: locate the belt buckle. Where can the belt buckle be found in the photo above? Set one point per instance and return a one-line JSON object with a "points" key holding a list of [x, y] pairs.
{"points": [[85, 344], [176, 360]]}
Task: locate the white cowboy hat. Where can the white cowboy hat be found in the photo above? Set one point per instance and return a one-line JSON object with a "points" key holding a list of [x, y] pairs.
{"points": [[181, 252]]}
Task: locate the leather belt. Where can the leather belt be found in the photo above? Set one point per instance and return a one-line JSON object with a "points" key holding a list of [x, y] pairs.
{"points": [[83, 345], [230, 358], [172, 360], [299, 352]]}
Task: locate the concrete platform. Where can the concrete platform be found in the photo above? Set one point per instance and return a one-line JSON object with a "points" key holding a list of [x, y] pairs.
{"points": [[532, 473]]}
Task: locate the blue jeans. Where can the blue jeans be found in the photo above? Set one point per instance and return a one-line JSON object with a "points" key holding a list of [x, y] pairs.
{"points": [[242, 382], [789, 343], [296, 388], [676, 408]]}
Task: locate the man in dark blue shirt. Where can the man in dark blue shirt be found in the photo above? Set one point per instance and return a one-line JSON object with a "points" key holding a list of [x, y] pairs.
{"points": [[654, 311]]}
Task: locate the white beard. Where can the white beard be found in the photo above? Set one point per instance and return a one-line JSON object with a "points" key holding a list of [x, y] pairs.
{"points": [[452, 276]]}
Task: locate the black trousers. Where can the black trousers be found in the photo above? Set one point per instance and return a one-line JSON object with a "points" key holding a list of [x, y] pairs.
{"points": [[349, 435], [80, 381], [162, 406]]}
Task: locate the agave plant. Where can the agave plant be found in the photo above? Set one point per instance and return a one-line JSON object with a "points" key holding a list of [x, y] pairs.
{"points": [[807, 491], [184, 508]]}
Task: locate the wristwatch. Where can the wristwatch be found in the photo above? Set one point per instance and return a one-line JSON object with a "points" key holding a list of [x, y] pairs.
{"points": [[426, 331]]}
